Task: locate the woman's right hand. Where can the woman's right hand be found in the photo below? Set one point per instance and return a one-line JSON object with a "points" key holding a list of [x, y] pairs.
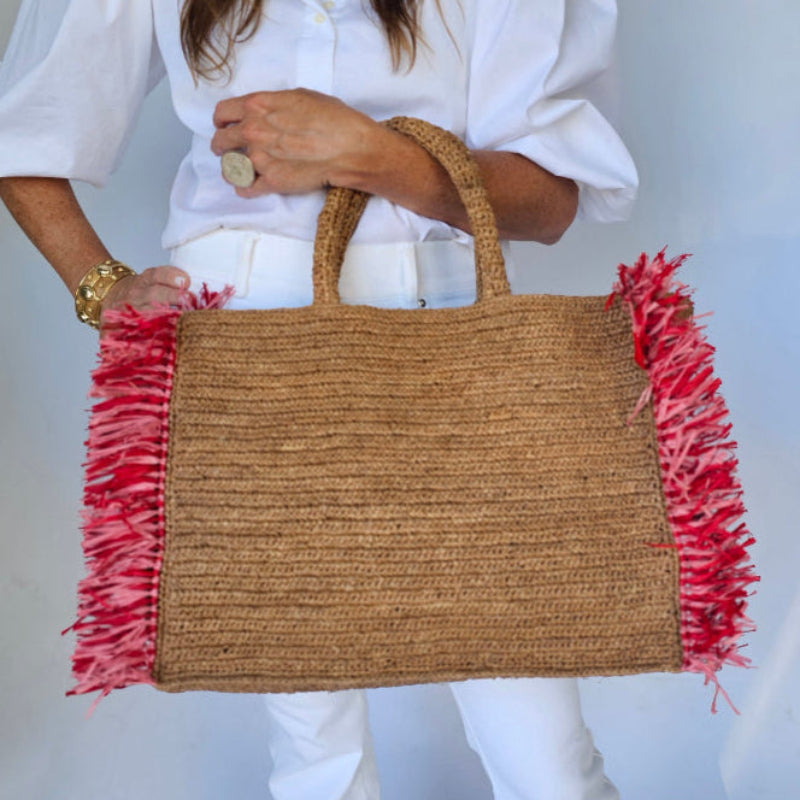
{"points": [[153, 286]]}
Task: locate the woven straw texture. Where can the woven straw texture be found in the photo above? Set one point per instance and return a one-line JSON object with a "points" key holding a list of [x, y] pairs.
{"points": [[364, 497]]}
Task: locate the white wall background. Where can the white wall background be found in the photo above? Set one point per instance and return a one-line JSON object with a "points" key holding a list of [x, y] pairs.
{"points": [[705, 94]]}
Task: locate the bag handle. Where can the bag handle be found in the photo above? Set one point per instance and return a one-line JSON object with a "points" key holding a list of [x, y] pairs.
{"points": [[343, 209]]}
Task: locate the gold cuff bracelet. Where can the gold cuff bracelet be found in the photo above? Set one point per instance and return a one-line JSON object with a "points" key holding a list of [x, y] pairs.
{"points": [[94, 287]]}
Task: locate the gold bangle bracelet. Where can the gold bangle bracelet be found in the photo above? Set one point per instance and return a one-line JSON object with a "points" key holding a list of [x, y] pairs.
{"points": [[94, 286]]}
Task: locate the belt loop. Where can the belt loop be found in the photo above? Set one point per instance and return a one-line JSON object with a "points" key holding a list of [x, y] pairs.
{"points": [[244, 263], [412, 261]]}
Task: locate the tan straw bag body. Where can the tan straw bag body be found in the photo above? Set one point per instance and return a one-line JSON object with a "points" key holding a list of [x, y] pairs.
{"points": [[340, 496]]}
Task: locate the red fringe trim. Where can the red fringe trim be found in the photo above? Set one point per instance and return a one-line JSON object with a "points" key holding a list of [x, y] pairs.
{"points": [[698, 466], [123, 514]]}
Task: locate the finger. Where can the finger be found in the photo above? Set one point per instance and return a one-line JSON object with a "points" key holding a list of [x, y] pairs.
{"points": [[235, 109], [167, 275], [271, 182], [229, 111], [230, 138], [161, 295], [150, 297], [256, 189], [278, 176]]}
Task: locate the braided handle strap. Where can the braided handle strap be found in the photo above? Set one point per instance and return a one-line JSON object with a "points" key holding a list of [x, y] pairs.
{"points": [[343, 209]]}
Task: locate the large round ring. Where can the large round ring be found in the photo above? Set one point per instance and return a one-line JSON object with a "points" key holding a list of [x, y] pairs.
{"points": [[238, 169]]}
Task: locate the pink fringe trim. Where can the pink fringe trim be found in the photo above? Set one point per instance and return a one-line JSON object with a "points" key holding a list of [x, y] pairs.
{"points": [[704, 498], [123, 510]]}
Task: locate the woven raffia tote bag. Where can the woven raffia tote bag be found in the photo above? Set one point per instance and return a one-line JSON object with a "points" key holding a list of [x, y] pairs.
{"points": [[340, 496]]}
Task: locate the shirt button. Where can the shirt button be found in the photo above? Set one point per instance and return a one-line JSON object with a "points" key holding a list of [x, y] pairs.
{"points": [[328, 5], [319, 18], [421, 302]]}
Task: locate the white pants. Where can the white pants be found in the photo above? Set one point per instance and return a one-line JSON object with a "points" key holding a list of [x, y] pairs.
{"points": [[528, 732]]}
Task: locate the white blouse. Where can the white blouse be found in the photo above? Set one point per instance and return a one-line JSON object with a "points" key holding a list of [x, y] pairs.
{"points": [[501, 74]]}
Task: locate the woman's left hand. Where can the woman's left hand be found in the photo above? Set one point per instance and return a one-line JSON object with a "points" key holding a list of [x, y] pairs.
{"points": [[298, 140]]}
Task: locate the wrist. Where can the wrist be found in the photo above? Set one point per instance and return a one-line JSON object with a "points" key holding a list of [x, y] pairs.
{"points": [[403, 172], [94, 287], [367, 166]]}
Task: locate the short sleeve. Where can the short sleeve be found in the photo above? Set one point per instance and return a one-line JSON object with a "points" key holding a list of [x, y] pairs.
{"points": [[72, 84], [529, 63]]}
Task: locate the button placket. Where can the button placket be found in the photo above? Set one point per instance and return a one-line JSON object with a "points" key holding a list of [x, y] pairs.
{"points": [[316, 47]]}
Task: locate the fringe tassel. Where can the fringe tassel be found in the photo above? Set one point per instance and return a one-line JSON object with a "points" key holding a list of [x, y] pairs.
{"points": [[703, 495], [123, 514], [126, 463]]}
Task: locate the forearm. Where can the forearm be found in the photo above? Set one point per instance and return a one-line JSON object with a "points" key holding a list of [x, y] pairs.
{"points": [[49, 213], [530, 203], [300, 140]]}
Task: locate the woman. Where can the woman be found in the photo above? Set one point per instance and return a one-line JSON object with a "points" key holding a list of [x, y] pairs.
{"points": [[300, 86]]}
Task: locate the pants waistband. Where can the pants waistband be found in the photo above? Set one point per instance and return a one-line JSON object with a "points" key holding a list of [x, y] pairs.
{"points": [[268, 269]]}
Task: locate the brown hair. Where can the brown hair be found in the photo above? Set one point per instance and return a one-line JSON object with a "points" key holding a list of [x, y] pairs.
{"points": [[204, 21]]}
